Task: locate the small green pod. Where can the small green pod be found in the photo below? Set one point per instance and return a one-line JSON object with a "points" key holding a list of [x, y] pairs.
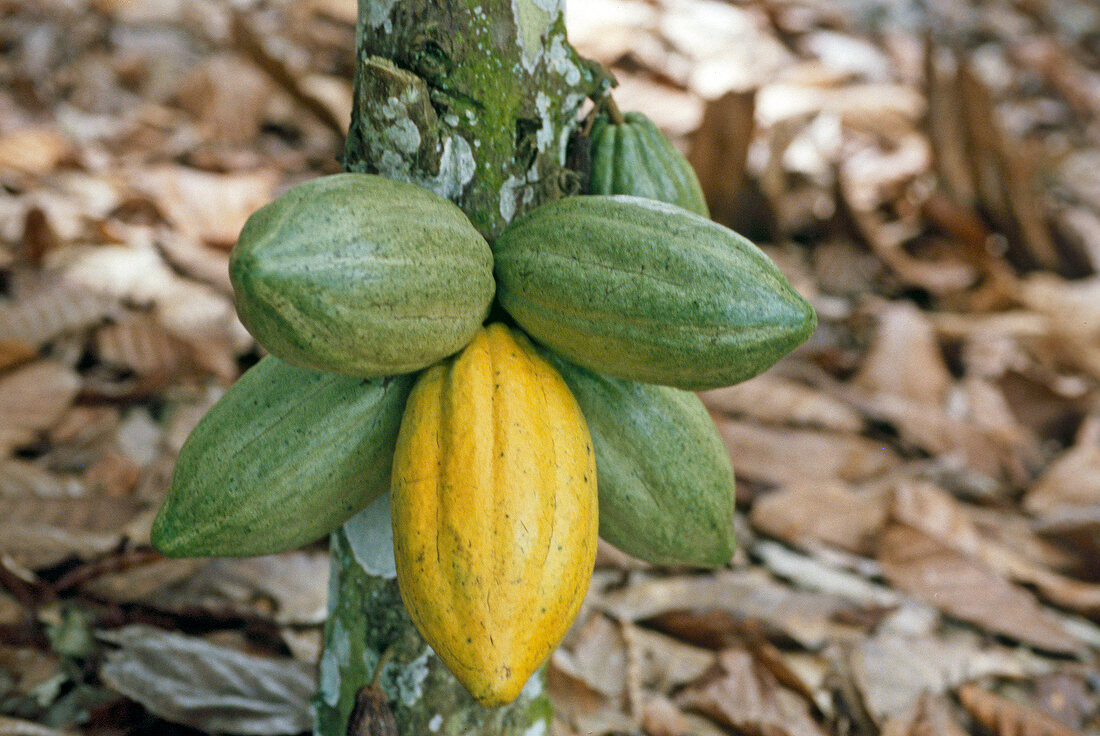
{"points": [[634, 157], [283, 458], [663, 474], [647, 291], [361, 275]]}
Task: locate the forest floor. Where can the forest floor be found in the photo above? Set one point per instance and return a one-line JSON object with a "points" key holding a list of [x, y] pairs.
{"points": [[918, 485]]}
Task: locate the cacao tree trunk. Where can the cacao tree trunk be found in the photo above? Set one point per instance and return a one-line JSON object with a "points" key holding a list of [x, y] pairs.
{"points": [[475, 100]]}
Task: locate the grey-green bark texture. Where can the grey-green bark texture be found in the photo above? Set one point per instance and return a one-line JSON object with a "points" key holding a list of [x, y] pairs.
{"points": [[475, 100]]}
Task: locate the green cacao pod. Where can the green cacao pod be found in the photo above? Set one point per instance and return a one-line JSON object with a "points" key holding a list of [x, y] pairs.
{"points": [[663, 473], [634, 157], [361, 275], [643, 290], [494, 511], [284, 457]]}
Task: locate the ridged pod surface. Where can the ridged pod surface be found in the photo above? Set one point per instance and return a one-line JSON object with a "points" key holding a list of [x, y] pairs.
{"points": [[647, 291], [361, 275], [634, 157], [494, 512], [664, 475], [283, 458]]}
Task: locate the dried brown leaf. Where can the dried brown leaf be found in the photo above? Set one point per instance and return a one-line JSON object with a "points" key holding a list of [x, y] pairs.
{"points": [[893, 671], [53, 309], [228, 96], [719, 152], [827, 511], [1073, 479], [665, 663], [209, 207], [904, 358], [968, 589], [798, 455], [141, 345], [750, 594], [775, 400], [1006, 717], [33, 398], [38, 532], [923, 506], [33, 150], [584, 709], [20, 478], [927, 714], [661, 717], [744, 695]]}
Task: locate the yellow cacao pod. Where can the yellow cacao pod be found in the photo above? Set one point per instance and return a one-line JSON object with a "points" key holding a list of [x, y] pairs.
{"points": [[494, 511]]}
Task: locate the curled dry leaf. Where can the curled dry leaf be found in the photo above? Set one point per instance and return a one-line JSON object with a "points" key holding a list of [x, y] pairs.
{"points": [[213, 688], [53, 309], [893, 671], [775, 400], [827, 511], [1006, 717], [32, 399], [210, 207], [749, 594], [928, 714], [925, 507], [33, 150], [968, 589], [39, 532], [742, 694], [141, 345], [788, 456], [1073, 479], [904, 358]]}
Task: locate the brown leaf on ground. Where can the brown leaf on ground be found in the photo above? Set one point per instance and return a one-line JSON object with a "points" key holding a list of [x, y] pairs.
{"points": [[742, 694], [786, 456], [928, 714], [719, 152], [736, 596], [1006, 717], [923, 506], [905, 359], [968, 589], [893, 671], [32, 399], [831, 512], [33, 150], [1073, 308], [1073, 479], [775, 400], [141, 345], [210, 207]]}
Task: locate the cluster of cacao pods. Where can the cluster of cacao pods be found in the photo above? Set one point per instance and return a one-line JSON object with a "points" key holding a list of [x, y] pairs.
{"points": [[507, 448]]}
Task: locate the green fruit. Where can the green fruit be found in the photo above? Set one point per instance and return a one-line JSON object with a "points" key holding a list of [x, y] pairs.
{"points": [[284, 457], [643, 290], [635, 158], [361, 275], [663, 474]]}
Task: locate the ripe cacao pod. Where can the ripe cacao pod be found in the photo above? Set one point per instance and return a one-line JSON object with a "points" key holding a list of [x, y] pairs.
{"points": [[361, 275], [663, 473], [494, 511], [647, 291], [634, 157], [283, 458]]}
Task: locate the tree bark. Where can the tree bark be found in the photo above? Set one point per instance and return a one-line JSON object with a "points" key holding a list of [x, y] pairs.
{"points": [[475, 100]]}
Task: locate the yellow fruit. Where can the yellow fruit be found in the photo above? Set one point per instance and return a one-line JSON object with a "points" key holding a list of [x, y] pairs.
{"points": [[494, 512]]}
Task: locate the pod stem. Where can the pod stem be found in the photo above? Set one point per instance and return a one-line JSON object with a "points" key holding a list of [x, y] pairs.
{"points": [[613, 110]]}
